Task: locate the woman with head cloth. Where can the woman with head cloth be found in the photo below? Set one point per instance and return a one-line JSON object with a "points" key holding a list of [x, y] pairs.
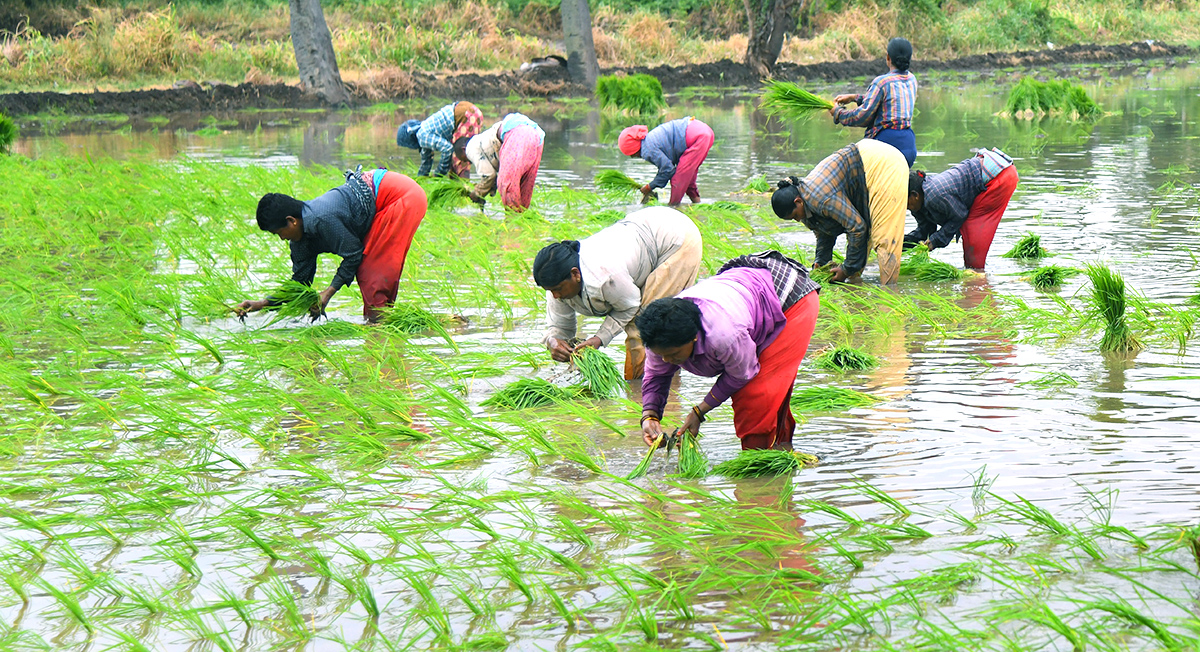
{"points": [[677, 148], [886, 109], [860, 190], [749, 326], [438, 132], [652, 253]]}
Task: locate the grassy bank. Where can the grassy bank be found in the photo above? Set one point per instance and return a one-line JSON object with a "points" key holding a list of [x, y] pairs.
{"points": [[129, 44]]}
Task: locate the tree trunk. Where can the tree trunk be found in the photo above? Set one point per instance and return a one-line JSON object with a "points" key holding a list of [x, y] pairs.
{"points": [[768, 22], [314, 52], [577, 35]]}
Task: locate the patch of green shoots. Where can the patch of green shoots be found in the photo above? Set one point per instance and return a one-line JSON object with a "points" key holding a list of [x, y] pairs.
{"points": [[1031, 97], [693, 463], [758, 184], [636, 94], [789, 101], [1028, 248], [616, 181], [768, 462], [1050, 276], [447, 193], [1108, 299], [599, 372], [292, 299], [529, 393], [405, 318], [918, 264], [8, 133], [829, 399], [845, 358]]}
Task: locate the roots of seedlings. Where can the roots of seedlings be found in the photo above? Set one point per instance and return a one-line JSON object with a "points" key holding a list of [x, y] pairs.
{"points": [[845, 358], [789, 101], [756, 463], [1028, 248], [1108, 298], [528, 393], [1050, 276], [599, 372], [640, 94], [617, 181], [827, 399]]}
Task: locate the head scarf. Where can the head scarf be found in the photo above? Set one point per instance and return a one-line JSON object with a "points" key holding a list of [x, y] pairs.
{"points": [[467, 126], [554, 263], [900, 52], [406, 135], [630, 140]]}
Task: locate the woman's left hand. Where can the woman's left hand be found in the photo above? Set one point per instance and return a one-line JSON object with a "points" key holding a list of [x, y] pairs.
{"points": [[839, 274], [691, 423], [593, 342]]}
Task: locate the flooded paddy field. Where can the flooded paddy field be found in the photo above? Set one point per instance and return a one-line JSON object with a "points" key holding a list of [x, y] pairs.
{"points": [[172, 478]]}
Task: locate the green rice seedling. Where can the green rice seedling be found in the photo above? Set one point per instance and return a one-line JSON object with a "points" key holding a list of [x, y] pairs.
{"points": [[8, 133], [599, 372], [70, 603], [882, 497], [405, 318], [1031, 96], [1051, 380], [446, 194], [918, 264], [635, 94], [845, 358], [834, 511], [644, 465], [1108, 299], [616, 181], [1050, 276], [230, 601], [755, 463], [693, 463], [292, 299], [1028, 248], [528, 393], [1125, 611], [829, 399], [791, 102], [756, 185]]}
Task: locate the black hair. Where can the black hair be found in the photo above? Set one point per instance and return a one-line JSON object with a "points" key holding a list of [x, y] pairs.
{"points": [[667, 323], [274, 208], [783, 201], [900, 52], [460, 147], [916, 183], [553, 264]]}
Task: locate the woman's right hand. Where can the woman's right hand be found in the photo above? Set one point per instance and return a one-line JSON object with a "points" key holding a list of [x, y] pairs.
{"points": [[559, 350], [651, 431], [246, 307], [845, 99]]}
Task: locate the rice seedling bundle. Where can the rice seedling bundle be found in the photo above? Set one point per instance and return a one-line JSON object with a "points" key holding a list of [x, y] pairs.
{"points": [[788, 100], [845, 358], [528, 393], [769, 462], [447, 194], [1050, 276], [918, 264], [693, 463], [292, 299], [639, 94], [1108, 298], [1057, 96], [827, 399], [616, 181], [599, 372], [644, 465], [8, 132], [1028, 248], [757, 184]]}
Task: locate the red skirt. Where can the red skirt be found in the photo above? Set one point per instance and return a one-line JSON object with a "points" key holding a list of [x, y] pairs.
{"points": [[984, 217], [762, 411], [399, 208]]}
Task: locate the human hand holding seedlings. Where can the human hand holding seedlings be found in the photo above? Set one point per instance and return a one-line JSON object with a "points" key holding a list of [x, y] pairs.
{"points": [[839, 274], [647, 194], [694, 418], [559, 350], [318, 309], [593, 342], [246, 307], [651, 429], [475, 198], [845, 98]]}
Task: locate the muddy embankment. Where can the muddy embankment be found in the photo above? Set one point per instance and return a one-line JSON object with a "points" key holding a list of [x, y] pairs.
{"points": [[544, 82]]}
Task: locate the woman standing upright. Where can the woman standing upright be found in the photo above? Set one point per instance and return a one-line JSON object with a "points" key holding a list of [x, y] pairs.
{"points": [[886, 109]]}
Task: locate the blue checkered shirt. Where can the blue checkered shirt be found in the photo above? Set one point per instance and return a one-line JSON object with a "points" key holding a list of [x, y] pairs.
{"points": [[948, 199], [435, 133]]}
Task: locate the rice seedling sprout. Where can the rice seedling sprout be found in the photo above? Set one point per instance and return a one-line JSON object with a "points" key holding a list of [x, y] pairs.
{"points": [[600, 373], [792, 102], [1028, 248], [635, 94], [768, 462], [845, 358], [1108, 299], [616, 181], [528, 393], [1050, 276], [829, 399]]}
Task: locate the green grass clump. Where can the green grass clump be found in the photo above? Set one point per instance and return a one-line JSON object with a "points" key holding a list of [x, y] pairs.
{"points": [[644, 465], [788, 100], [641, 94], [1028, 248], [1050, 276], [616, 181], [757, 184], [1108, 298], [828, 399], [292, 299], [528, 393], [769, 462], [599, 372], [8, 132], [405, 318], [693, 463], [447, 194], [918, 264], [1058, 96], [845, 358]]}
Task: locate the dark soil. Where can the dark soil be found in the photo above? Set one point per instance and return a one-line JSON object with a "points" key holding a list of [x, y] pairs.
{"points": [[544, 82]]}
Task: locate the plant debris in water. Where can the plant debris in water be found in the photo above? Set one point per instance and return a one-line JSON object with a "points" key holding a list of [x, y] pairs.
{"points": [[1031, 96], [918, 264], [1028, 248], [768, 462], [827, 399], [1050, 276], [845, 358], [636, 94], [529, 393], [1108, 299], [792, 102], [599, 372]]}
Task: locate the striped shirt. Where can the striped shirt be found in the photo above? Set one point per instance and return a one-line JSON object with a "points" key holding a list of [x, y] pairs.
{"points": [[887, 104], [836, 201], [947, 202], [435, 133]]}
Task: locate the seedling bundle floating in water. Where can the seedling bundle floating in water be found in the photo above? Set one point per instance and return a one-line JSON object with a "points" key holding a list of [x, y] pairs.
{"points": [[1050, 276], [828, 399], [845, 358], [529, 393], [616, 181], [1108, 298], [769, 462], [788, 100], [599, 372], [637, 94], [1031, 97], [918, 264], [1028, 248]]}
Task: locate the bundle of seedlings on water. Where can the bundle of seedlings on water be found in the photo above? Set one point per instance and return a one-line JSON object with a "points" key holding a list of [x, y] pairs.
{"points": [[769, 462], [756, 185], [828, 399], [1050, 276], [405, 318], [616, 181], [448, 193], [637, 94], [787, 100], [918, 264], [693, 463], [845, 358], [528, 393], [1108, 298], [292, 299], [1028, 248], [1031, 97], [644, 465], [599, 372], [8, 132]]}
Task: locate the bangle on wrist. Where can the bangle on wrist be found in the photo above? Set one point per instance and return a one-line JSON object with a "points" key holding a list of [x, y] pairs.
{"points": [[699, 414], [648, 417]]}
